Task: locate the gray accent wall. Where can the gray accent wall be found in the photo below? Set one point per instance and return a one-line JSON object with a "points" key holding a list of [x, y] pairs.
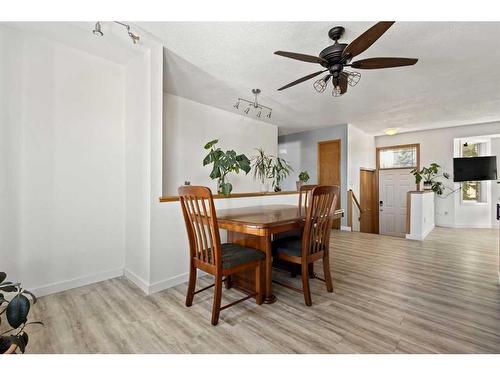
{"points": [[301, 151]]}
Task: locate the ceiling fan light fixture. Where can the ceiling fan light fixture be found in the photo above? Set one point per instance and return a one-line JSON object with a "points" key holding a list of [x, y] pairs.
{"points": [[236, 105], [336, 92], [269, 115], [247, 109], [391, 131], [320, 84], [353, 78]]}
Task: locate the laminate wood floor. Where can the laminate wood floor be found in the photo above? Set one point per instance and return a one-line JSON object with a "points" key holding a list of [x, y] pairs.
{"points": [[390, 295]]}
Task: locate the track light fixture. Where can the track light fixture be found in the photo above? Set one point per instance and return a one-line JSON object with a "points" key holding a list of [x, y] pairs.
{"points": [[97, 31], [254, 104]]}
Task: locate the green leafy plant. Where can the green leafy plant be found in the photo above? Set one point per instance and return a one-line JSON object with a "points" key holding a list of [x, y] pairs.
{"points": [[304, 176], [430, 176], [15, 305], [262, 166], [281, 169], [224, 162]]}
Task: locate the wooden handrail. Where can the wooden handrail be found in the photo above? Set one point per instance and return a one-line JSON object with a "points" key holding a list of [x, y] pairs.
{"points": [[352, 198], [355, 200]]}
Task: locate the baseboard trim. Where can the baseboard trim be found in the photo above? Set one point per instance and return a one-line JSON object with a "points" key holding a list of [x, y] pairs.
{"points": [[169, 283], [345, 228], [465, 226], [139, 282], [75, 283]]}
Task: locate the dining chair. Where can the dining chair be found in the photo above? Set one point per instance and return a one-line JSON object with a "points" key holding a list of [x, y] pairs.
{"points": [[314, 242], [303, 202], [209, 255]]}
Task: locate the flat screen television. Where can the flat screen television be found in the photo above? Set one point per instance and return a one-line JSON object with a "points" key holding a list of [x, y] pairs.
{"points": [[475, 169]]}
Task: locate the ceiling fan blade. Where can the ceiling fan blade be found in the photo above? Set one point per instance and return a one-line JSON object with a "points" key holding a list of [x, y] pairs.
{"points": [[365, 40], [302, 79], [343, 81], [383, 62], [301, 57]]}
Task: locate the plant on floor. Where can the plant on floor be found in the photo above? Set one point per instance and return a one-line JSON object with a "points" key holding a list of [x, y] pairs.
{"points": [[224, 162], [281, 169], [262, 167], [15, 305], [430, 175]]}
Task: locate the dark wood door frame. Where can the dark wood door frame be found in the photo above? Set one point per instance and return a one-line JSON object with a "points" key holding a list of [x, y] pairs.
{"points": [[377, 175], [374, 196]]}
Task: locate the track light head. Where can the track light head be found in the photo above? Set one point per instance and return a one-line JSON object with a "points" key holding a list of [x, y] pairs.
{"points": [[247, 110], [97, 29], [135, 38]]}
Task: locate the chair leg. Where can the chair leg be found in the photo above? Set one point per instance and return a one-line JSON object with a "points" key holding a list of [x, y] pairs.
{"points": [[191, 285], [258, 284], [327, 274], [217, 300], [305, 284]]}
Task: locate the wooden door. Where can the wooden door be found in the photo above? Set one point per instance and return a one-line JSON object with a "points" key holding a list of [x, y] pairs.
{"points": [[368, 201], [394, 184], [329, 167]]}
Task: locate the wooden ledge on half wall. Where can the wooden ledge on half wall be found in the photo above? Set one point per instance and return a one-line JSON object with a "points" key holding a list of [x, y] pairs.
{"points": [[174, 198]]}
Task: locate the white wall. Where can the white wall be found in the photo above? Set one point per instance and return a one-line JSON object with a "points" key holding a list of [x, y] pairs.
{"points": [[438, 146], [137, 167], [188, 126], [360, 154], [422, 215], [65, 164], [10, 151]]}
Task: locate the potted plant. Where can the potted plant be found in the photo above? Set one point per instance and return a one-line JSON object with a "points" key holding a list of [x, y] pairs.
{"points": [[262, 168], [280, 170], [15, 305], [224, 162], [430, 176], [303, 178]]}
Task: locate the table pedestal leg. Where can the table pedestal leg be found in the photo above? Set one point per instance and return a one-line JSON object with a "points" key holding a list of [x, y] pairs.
{"points": [[246, 279]]}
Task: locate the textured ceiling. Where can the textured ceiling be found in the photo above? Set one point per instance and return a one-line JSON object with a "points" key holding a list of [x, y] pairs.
{"points": [[455, 82]]}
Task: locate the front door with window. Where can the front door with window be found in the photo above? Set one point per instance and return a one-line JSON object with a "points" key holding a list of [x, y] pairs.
{"points": [[394, 185], [394, 164]]}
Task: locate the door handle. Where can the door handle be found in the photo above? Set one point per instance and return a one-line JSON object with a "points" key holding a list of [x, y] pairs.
{"points": [[498, 211]]}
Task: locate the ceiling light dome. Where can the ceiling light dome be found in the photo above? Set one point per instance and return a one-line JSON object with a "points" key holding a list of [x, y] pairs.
{"points": [[391, 131]]}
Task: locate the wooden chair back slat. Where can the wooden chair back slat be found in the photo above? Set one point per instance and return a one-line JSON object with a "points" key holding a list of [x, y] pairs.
{"points": [[304, 197], [201, 224], [319, 219]]}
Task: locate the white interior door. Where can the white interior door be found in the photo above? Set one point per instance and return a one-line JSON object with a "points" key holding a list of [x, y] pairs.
{"points": [[393, 187]]}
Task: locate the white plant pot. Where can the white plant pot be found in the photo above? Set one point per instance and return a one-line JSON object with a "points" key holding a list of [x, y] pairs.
{"points": [[264, 188]]}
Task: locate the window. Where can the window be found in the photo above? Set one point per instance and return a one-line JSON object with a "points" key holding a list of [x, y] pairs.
{"points": [[398, 157], [471, 190]]}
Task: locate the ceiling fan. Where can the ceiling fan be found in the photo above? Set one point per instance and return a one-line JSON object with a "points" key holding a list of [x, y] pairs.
{"points": [[339, 55]]}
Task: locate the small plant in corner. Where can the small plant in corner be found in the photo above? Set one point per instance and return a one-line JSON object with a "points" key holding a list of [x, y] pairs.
{"points": [[430, 176], [15, 305], [303, 178], [224, 162], [262, 168], [281, 169]]}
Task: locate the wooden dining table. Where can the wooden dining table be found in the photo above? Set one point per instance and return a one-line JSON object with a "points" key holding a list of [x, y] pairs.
{"points": [[254, 227]]}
